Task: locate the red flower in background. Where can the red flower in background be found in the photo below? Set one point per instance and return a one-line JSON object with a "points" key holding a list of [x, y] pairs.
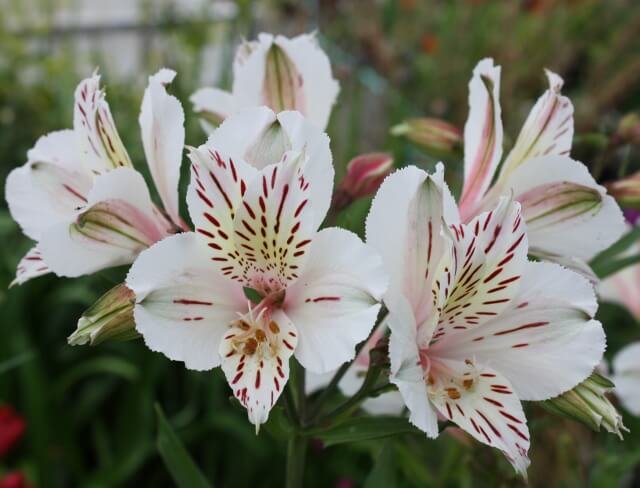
{"points": [[12, 427], [16, 479]]}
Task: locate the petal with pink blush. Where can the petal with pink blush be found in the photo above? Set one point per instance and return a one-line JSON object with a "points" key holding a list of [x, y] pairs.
{"points": [[548, 129], [483, 136], [162, 129]]}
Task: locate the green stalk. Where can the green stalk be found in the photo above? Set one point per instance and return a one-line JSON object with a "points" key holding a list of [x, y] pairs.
{"points": [[296, 454]]}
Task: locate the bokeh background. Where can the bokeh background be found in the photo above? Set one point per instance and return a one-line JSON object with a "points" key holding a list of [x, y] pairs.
{"points": [[89, 412]]}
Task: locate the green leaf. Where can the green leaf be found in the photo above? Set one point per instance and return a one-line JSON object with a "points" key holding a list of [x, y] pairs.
{"points": [[364, 429], [252, 294], [616, 249], [614, 265], [181, 466], [16, 361], [383, 473]]}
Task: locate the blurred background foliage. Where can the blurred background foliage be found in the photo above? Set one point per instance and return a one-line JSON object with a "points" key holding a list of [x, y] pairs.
{"points": [[90, 411]]}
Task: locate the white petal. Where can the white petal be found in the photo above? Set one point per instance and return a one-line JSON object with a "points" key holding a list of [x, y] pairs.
{"points": [[484, 272], [215, 193], [95, 130], [239, 133], [487, 409], [305, 137], [404, 227], [249, 71], [334, 302], [184, 307], [261, 138], [482, 135], [546, 342], [30, 266], [42, 193], [313, 66], [162, 128], [117, 222], [59, 148], [212, 106], [626, 366], [274, 226], [548, 129], [406, 371], [255, 361], [582, 233]]}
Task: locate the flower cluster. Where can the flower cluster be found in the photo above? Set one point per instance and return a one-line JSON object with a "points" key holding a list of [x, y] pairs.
{"points": [[474, 325]]}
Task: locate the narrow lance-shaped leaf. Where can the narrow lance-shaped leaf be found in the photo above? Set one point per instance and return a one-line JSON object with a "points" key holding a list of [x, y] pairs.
{"points": [[176, 458]]}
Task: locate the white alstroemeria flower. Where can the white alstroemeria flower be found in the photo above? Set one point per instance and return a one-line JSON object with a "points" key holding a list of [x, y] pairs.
{"points": [[281, 73], [475, 327], [78, 195], [570, 218], [626, 377], [258, 228]]}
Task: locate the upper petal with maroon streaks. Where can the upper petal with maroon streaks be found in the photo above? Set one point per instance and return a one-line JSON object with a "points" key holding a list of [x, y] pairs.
{"points": [[548, 130], [98, 138]]}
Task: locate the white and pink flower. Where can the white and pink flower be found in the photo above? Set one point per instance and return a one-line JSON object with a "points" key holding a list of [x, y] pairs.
{"points": [[278, 72], [570, 218], [258, 229], [78, 195], [475, 327]]}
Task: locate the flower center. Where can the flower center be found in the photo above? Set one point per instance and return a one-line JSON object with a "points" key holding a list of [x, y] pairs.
{"points": [[255, 335], [444, 382]]}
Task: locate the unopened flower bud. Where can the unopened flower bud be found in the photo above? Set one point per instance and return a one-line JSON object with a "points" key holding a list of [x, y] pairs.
{"points": [[430, 133], [365, 174], [108, 319], [589, 404], [626, 191], [628, 131]]}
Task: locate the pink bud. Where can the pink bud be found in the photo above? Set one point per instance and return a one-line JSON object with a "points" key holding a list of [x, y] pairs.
{"points": [[626, 191], [430, 133], [364, 175]]}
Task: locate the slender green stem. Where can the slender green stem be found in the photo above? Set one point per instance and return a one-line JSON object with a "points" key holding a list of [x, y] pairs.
{"points": [[346, 408], [296, 454]]}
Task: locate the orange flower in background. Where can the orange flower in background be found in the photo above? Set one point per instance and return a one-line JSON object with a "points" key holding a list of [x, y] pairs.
{"points": [[429, 43]]}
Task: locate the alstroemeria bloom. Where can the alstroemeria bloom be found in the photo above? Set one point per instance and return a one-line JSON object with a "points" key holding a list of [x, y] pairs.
{"points": [[569, 217], [626, 377], [281, 73], [475, 327], [258, 229], [78, 195]]}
